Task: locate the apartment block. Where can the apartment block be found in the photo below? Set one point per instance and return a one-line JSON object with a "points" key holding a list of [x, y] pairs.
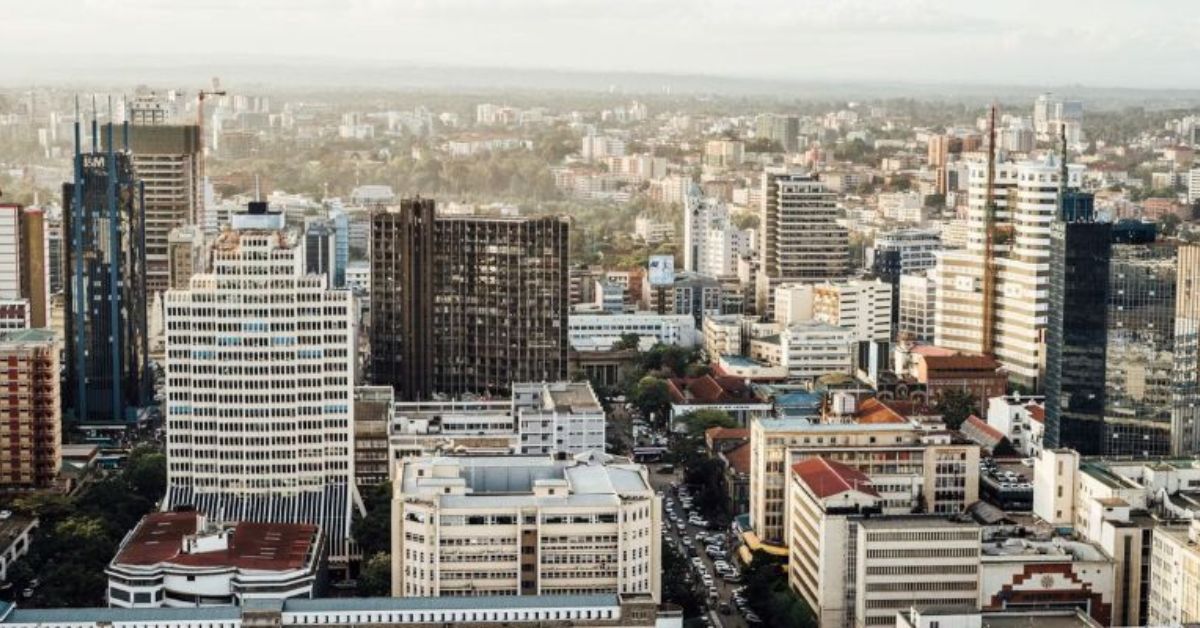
{"points": [[525, 526], [30, 454]]}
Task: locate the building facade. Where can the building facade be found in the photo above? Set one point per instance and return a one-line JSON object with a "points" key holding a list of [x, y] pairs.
{"points": [[30, 449], [260, 361], [466, 304], [525, 526]]}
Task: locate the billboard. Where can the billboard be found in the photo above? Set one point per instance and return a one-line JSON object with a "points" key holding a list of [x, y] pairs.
{"points": [[662, 270]]}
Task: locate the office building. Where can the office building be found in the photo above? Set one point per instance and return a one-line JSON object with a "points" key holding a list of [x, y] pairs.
{"points": [[916, 311], [911, 459], [802, 241], [811, 349], [688, 293], [466, 304], [1025, 195], [723, 154], [611, 611], [525, 526], [781, 130], [1077, 334], [1193, 185], [166, 159], [374, 412], [1185, 416], [340, 222], [599, 332], [320, 247], [1053, 116], [1175, 576], [712, 245], [185, 560], [901, 253], [107, 343], [1140, 353], [30, 450], [25, 262], [186, 255], [260, 361]]}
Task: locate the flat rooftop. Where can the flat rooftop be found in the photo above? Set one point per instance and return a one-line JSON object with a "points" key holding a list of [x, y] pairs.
{"points": [[575, 397], [159, 537], [508, 477]]}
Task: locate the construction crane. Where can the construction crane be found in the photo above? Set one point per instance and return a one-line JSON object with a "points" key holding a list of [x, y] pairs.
{"points": [[200, 96], [989, 244]]}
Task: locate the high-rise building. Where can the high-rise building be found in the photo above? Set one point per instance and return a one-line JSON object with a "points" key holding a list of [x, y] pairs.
{"points": [[465, 304], [1140, 352], [802, 240], [185, 255], [782, 130], [1025, 196], [166, 161], [916, 307], [341, 245], [525, 526], [29, 445], [25, 264], [107, 344], [1076, 335], [1185, 415], [1193, 185], [260, 361], [319, 248]]}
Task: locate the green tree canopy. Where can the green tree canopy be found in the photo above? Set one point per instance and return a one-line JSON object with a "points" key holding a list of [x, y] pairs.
{"points": [[955, 406]]}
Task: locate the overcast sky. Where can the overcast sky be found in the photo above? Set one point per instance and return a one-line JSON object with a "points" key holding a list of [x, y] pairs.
{"points": [[1118, 43]]}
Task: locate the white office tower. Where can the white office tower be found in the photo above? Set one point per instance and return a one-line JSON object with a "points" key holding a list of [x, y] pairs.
{"points": [[712, 245], [802, 240], [260, 385], [1026, 199], [1193, 185], [1050, 114], [527, 526]]}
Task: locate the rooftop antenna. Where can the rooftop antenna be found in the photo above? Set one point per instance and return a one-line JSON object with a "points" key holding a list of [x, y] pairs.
{"points": [[256, 190], [95, 127]]}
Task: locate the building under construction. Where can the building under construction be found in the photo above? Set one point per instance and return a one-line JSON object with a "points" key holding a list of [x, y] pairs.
{"points": [[107, 376], [465, 304]]}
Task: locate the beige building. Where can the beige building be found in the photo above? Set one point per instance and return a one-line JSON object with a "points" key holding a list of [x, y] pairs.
{"points": [[912, 463], [525, 525], [1025, 195], [1175, 576]]}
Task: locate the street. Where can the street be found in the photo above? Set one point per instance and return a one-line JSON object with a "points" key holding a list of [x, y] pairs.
{"points": [[662, 482]]}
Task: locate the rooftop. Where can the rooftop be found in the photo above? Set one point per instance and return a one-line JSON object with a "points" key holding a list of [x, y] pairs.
{"points": [[17, 336], [826, 478], [159, 538]]}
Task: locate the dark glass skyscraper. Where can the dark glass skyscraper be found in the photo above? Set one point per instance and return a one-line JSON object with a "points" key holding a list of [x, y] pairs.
{"points": [[106, 340], [465, 304], [1075, 334]]}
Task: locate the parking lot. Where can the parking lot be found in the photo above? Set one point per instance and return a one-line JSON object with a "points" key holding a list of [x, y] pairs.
{"points": [[691, 539]]}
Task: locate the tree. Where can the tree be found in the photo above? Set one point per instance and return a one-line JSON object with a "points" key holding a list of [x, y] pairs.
{"points": [[373, 533], [699, 421], [680, 588], [768, 594], [652, 398], [146, 472], [627, 341], [375, 580], [955, 406]]}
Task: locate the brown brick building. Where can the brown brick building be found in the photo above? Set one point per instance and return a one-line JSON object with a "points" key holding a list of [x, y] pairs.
{"points": [[30, 411], [466, 304]]}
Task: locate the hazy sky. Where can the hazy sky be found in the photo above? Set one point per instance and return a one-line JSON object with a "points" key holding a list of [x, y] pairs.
{"points": [[1133, 43]]}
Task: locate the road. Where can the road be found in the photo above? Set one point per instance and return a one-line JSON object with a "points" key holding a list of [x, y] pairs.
{"points": [[663, 481]]}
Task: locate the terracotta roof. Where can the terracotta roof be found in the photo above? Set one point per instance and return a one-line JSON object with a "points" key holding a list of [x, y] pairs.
{"points": [[961, 362], [739, 458], [158, 538], [709, 389], [1036, 412], [826, 478], [874, 411], [982, 426], [726, 433]]}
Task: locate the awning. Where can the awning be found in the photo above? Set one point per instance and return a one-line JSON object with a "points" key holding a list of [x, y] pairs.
{"points": [[755, 544]]}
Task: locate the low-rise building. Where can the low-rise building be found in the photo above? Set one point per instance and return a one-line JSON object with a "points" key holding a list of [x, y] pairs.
{"points": [[811, 349], [16, 535], [600, 332], [1175, 576], [730, 395], [374, 407], [181, 559], [1022, 419], [979, 375], [525, 526]]}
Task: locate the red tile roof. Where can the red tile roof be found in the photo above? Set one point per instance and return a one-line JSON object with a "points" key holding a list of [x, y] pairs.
{"points": [[709, 389], [983, 427], [961, 362], [874, 411], [826, 478], [931, 350], [158, 538], [1036, 412], [739, 458]]}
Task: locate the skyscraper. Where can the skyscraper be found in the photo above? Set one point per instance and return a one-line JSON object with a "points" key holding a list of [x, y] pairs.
{"points": [[1026, 203], [166, 160], [106, 335], [802, 241], [260, 360], [24, 264], [319, 248], [1076, 334], [464, 304], [29, 446]]}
